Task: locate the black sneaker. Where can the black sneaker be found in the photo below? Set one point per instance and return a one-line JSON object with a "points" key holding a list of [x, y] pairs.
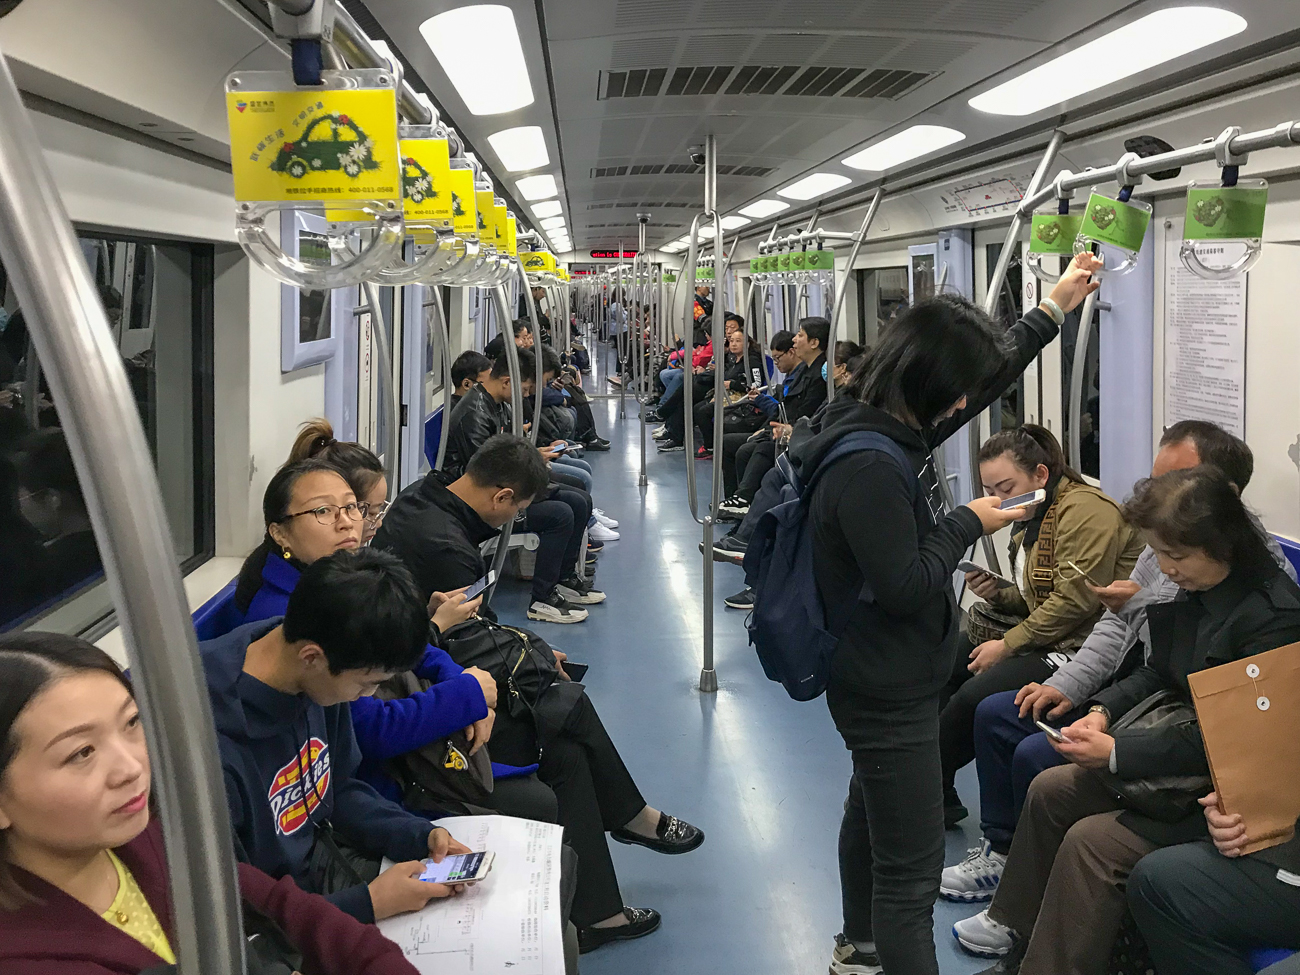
{"points": [[555, 609], [672, 835], [670, 446], [598, 444], [593, 547], [729, 548], [640, 922], [847, 959], [741, 600], [577, 590], [652, 416], [735, 505]]}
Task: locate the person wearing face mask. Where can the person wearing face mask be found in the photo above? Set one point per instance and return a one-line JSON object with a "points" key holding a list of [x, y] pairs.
{"points": [[884, 552], [83, 873], [1062, 891], [1074, 536]]}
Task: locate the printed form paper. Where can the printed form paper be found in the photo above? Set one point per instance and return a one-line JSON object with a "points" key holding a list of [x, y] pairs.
{"points": [[508, 922]]}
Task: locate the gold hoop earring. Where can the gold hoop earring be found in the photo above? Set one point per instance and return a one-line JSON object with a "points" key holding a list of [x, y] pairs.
{"points": [[287, 555]]}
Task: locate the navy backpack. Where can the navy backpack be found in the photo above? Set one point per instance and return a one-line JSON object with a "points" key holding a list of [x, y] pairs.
{"points": [[787, 626]]}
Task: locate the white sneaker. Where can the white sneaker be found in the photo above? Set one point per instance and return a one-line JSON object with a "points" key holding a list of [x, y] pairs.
{"points": [[604, 519], [661, 433], [975, 878], [599, 533], [981, 935], [848, 960], [556, 609]]}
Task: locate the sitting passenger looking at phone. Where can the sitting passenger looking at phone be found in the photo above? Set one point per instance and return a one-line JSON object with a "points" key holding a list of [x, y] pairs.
{"points": [[469, 369], [1024, 631], [84, 888], [558, 519], [288, 753], [1086, 824], [436, 529], [1009, 747]]}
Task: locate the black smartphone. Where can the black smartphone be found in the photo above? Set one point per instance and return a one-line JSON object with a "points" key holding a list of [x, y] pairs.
{"points": [[575, 670]]}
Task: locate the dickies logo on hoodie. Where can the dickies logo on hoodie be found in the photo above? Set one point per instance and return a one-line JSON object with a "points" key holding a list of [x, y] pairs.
{"points": [[291, 803]]}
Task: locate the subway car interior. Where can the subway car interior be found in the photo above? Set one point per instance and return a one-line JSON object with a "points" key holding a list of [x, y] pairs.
{"points": [[435, 434]]}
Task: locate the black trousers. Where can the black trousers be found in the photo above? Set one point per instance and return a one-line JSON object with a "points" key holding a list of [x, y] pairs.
{"points": [[596, 793], [558, 522], [964, 693], [744, 464], [520, 797], [1201, 912], [891, 837]]}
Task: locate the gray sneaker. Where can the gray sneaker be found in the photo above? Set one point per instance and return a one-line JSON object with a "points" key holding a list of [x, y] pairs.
{"points": [[846, 959], [556, 609]]}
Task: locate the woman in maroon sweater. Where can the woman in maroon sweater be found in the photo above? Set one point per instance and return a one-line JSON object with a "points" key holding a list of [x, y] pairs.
{"points": [[83, 874]]}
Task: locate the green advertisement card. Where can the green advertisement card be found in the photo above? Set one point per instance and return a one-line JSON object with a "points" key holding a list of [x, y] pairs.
{"points": [[1109, 221], [1226, 212], [1054, 233], [823, 260]]}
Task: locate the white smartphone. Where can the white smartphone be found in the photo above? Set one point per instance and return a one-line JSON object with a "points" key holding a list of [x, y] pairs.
{"points": [[482, 584], [1084, 574], [967, 566], [458, 868], [1024, 500], [1050, 732]]}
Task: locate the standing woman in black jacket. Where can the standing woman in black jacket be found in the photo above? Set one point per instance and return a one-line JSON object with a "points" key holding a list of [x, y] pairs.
{"points": [[884, 564]]}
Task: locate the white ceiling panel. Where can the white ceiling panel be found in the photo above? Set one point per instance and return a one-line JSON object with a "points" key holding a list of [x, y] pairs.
{"points": [[643, 52]]}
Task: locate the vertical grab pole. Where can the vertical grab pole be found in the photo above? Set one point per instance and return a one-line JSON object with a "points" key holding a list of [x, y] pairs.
{"points": [[379, 329], [688, 388], [621, 340], [708, 675], [843, 293], [642, 388], [502, 308], [1074, 415], [444, 343], [991, 304], [102, 424], [531, 305]]}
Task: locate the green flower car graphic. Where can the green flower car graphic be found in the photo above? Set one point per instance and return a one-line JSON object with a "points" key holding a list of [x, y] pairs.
{"points": [[1048, 232], [328, 142], [417, 186], [457, 207], [1208, 211], [1103, 216]]}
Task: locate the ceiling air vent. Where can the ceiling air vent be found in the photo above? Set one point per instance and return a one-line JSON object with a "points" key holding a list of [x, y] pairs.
{"points": [[640, 83], [647, 206], [676, 169], [889, 84], [697, 81], [821, 81]]}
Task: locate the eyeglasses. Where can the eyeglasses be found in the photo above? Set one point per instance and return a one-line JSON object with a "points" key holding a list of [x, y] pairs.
{"points": [[328, 514], [376, 514]]}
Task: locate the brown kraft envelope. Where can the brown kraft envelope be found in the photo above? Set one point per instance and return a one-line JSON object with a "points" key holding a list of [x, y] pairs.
{"points": [[1249, 713]]}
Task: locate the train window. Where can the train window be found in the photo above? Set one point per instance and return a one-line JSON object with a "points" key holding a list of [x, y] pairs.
{"points": [[314, 314], [158, 296], [882, 297], [1012, 413], [922, 276]]}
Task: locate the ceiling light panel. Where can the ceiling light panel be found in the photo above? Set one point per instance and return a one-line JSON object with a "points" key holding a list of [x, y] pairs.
{"points": [[764, 208], [537, 187], [731, 223], [520, 148], [553, 223], [457, 38], [811, 187], [911, 143], [551, 208], [1148, 41]]}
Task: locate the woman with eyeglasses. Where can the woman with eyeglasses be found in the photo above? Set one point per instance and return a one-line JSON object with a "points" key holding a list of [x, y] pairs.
{"points": [[359, 465]]}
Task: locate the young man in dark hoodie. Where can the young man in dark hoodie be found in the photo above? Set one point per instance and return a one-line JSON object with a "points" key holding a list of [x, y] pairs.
{"points": [[280, 691]]}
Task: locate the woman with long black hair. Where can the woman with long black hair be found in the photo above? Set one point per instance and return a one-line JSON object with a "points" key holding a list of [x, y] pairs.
{"points": [[885, 552]]}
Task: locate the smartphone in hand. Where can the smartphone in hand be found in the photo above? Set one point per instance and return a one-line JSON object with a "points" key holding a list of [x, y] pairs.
{"points": [[1050, 732]]}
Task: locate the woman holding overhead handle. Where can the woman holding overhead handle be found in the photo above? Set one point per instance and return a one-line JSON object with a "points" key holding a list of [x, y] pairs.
{"points": [[885, 552]]}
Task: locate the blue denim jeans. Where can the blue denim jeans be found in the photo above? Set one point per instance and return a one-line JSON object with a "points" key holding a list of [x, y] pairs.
{"points": [[672, 379], [570, 466], [1009, 752]]}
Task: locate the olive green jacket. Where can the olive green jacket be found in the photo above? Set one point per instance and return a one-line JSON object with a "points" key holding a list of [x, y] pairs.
{"points": [[1089, 532]]}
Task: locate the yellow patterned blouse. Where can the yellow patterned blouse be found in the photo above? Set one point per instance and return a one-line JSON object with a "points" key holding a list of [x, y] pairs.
{"points": [[131, 913]]}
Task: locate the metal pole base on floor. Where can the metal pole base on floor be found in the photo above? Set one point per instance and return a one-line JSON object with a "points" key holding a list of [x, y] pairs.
{"points": [[642, 480]]}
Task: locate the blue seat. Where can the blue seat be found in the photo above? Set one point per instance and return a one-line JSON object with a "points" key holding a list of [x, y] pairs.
{"points": [[1261, 958], [218, 616], [500, 771], [432, 435]]}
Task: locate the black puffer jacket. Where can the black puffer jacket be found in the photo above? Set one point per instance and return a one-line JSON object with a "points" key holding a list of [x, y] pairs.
{"points": [[885, 564], [476, 418]]}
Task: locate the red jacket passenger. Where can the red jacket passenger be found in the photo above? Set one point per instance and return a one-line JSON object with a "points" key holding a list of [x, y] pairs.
{"points": [[61, 936]]}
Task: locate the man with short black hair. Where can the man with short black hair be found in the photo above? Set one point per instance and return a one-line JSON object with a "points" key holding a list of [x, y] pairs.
{"points": [[523, 332], [469, 369], [280, 691]]}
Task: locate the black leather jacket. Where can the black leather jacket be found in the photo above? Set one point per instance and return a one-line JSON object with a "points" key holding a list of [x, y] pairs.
{"points": [[476, 418]]}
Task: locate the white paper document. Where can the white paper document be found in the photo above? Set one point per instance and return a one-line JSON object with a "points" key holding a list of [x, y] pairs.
{"points": [[508, 923]]}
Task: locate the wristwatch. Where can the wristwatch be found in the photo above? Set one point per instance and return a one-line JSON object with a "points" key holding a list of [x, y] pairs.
{"points": [[1102, 710]]}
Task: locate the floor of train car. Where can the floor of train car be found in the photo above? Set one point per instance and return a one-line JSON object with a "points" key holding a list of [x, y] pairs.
{"points": [[763, 775]]}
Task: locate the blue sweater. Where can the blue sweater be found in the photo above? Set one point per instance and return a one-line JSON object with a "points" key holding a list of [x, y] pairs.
{"points": [[386, 729], [289, 764]]}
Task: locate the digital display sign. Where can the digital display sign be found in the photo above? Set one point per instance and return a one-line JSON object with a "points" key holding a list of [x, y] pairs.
{"points": [[614, 254]]}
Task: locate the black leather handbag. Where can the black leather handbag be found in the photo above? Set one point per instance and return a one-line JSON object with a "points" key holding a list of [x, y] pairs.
{"points": [[1165, 798]]}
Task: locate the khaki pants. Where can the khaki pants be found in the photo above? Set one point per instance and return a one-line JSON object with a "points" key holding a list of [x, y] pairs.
{"points": [[1063, 886]]}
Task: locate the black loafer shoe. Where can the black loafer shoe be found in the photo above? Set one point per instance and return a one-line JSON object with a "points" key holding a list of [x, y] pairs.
{"points": [[640, 922], [599, 445], [673, 835]]}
